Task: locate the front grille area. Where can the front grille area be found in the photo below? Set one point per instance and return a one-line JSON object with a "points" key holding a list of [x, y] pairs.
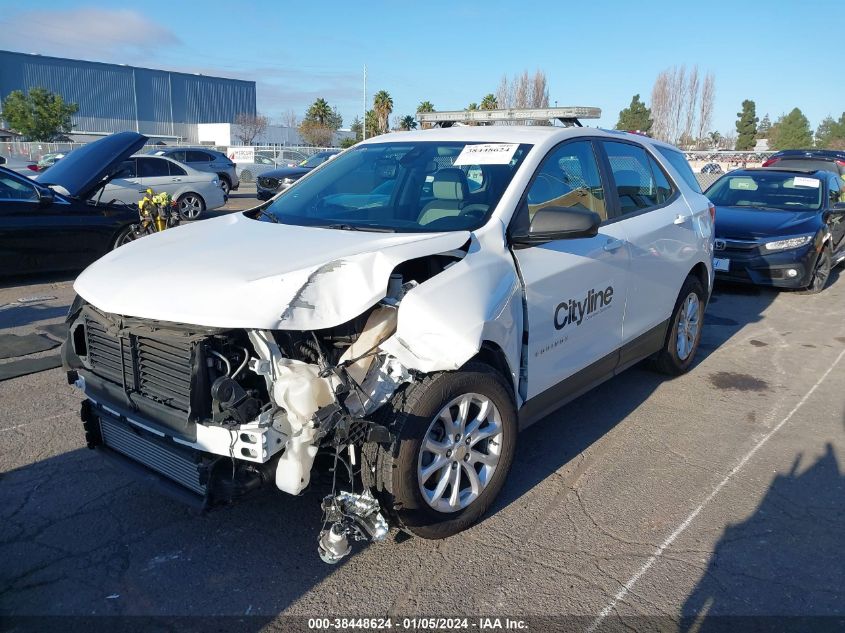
{"points": [[154, 454], [266, 182], [158, 369]]}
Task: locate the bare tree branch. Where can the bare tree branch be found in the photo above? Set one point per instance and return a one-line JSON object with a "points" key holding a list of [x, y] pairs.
{"points": [[705, 110], [249, 127]]}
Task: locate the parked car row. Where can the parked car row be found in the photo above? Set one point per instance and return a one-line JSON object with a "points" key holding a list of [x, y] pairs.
{"points": [[83, 205], [272, 181]]}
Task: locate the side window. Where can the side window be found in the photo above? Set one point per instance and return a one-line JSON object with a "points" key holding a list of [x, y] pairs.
{"points": [[13, 189], [126, 169], [635, 184], [197, 157], [835, 191], [679, 162], [661, 182], [568, 177], [152, 167], [176, 170], [178, 155]]}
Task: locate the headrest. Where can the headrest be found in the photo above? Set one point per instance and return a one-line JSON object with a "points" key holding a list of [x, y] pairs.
{"points": [[450, 184]]}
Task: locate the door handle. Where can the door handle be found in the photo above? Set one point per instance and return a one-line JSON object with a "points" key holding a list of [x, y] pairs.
{"points": [[176, 180], [681, 219], [613, 245]]}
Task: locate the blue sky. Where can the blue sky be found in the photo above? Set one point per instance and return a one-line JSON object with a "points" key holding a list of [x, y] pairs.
{"points": [[452, 53]]}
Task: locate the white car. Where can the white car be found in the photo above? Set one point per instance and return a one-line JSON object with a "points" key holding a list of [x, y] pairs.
{"points": [[194, 190], [248, 172], [409, 337]]}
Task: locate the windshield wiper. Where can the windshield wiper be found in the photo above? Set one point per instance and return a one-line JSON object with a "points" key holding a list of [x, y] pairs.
{"points": [[358, 227], [269, 216]]}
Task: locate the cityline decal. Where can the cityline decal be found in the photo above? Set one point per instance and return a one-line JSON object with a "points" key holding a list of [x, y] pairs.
{"points": [[574, 311]]}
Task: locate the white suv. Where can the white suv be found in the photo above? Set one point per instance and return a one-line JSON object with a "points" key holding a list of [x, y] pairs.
{"points": [[403, 310]]}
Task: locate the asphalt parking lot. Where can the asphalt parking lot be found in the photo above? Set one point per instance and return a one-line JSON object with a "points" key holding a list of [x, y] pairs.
{"points": [[721, 492]]}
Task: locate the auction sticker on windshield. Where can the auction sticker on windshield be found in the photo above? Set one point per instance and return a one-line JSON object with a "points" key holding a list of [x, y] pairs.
{"points": [[800, 181], [487, 154]]}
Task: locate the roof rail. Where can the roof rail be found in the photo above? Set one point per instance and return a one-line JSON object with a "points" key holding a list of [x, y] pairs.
{"points": [[570, 116]]}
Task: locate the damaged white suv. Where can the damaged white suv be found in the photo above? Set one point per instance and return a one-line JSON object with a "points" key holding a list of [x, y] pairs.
{"points": [[403, 310]]}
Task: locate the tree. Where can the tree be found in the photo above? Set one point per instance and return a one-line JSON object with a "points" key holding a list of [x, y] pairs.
{"points": [[746, 126], [715, 139], [489, 102], [831, 133], [635, 117], [372, 124], [347, 142], [319, 112], [523, 91], [357, 129], [40, 115], [407, 123], [249, 127], [791, 131], [383, 106], [425, 106], [764, 127], [472, 106], [290, 119], [705, 108], [316, 133]]}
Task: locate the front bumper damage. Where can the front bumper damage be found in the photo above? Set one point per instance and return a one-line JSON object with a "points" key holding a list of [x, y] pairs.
{"points": [[212, 454]]}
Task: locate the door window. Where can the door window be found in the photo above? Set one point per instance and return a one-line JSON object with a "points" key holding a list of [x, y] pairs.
{"points": [[13, 189], [568, 177], [175, 170], [178, 155], [197, 157], [153, 168], [126, 169], [637, 187]]}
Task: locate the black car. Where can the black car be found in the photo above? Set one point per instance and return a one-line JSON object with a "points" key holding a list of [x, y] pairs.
{"points": [[825, 159], [55, 222], [778, 227], [272, 182]]}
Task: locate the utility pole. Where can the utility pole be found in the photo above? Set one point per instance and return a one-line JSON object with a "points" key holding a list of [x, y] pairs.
{"points": [[364, 121]]}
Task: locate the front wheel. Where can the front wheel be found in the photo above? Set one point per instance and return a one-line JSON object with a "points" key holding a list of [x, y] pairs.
{"points": [[684, 335], [191, 206], [455, 441], [126, 235], [821, 273]]}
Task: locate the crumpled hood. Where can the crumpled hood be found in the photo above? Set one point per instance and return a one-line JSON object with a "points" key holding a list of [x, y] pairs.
{"points": [[750, 223], [236, 272]]}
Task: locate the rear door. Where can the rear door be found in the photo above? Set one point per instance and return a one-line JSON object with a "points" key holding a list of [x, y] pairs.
{"points": [[575, 289], [201, 161], [660, 232], [154, 173], [837, 218]]}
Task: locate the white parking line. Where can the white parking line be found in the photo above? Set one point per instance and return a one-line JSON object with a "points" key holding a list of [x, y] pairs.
{"points": [[626, 588]]}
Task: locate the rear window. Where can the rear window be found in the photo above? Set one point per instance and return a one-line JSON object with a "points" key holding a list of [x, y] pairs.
{"points": [[679, 162]]}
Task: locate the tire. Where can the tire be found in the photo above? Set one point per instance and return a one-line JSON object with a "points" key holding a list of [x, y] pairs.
{"points": [[125, 235], [225, 185], [821, 273], [191, 206], [394, 472], [678, 352]]}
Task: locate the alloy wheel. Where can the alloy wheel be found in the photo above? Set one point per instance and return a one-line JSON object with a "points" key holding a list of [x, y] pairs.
{"points": [[460, 452], [689, 324], [190, 206]]}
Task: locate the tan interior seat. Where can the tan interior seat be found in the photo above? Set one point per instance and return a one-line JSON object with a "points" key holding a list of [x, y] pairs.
{"points": [[450, 190]]}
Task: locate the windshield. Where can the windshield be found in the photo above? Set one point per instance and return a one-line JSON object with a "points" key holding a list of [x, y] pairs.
{"points": [[316, 160], [403, 187], [768, 190]]}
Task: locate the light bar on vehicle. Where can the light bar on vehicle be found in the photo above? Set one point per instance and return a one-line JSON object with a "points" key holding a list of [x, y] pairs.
{"points": [[569, 115]]}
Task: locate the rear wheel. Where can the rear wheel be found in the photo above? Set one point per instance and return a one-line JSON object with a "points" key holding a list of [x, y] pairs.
{"points": [[821, 273], [191, 206], [684, 333], [455, 441], [225, 185]]}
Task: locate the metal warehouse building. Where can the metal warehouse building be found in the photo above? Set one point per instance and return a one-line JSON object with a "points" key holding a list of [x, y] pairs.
{"points": [[114, 97]]}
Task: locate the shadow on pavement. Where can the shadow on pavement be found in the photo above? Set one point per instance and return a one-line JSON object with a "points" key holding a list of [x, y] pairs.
{"points": [[786, 559]]}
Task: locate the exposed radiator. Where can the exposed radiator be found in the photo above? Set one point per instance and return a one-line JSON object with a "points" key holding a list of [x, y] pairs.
{"points": [[154, 454]]}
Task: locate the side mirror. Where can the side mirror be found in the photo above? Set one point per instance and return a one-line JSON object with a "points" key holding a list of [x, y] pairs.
{"points": [[45, 197], [559, 223]]}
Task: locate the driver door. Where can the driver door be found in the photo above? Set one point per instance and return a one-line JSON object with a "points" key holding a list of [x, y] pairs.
{"points": [[575, 288]]}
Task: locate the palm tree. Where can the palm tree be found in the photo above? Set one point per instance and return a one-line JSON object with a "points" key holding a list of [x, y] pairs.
{"points": [[425, 106], [489, 102], [319, 111], [383, 105], [472, 106], [407, 123]]}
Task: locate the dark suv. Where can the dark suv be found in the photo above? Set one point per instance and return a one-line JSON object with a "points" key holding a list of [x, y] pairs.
{"points": [[208, 160], [825, 159]]}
